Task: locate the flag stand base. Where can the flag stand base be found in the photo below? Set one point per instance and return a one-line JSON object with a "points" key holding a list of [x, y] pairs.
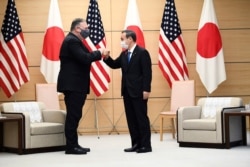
{"points": [[95, 104]]}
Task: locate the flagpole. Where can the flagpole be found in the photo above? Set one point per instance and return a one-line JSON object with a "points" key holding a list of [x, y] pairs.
{"points": [[96, 118], [14, 97], [207, 94]]}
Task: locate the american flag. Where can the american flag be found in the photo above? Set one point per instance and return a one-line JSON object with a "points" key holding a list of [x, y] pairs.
{"points": [[172, 56], [13, 59], [99, 74]]}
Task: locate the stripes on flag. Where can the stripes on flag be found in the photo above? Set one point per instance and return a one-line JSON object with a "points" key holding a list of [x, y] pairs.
{"points": [[13, 59], [172, 54], [99, 74]]}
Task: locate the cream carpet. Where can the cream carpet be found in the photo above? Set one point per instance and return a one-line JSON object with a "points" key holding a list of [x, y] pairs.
{"points": [[107, 151]]}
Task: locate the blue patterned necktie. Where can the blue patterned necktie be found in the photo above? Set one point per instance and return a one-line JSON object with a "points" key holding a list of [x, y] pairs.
{"points": [[129, 53]]}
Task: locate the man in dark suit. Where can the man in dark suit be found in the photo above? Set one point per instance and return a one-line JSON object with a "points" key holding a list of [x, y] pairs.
{"points": [[74, 80], [135, 63]]}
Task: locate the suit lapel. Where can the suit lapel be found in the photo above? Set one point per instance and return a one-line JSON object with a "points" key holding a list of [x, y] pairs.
{"points": [[133, 54], [125, 60]]}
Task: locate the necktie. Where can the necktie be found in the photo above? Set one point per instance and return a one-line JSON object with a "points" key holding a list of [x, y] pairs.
{"points": [[129, 55]]}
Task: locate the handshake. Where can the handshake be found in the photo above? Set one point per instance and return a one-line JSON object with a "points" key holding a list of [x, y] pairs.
{"points": [[105, 53]]}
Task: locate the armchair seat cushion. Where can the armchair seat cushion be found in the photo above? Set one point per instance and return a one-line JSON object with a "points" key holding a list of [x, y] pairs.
{"points": [[199, 124], [46, 128]]}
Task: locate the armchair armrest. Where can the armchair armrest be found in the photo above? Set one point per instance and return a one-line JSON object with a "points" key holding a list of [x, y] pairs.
{"points": [[219, 125], [26, 124], [57, 116], [184, 113], [189, 112], [25, 116]]}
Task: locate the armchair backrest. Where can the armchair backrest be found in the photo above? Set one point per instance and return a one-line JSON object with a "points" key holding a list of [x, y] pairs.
{"points": [[210, 105], [33, 108], [182, 94]]}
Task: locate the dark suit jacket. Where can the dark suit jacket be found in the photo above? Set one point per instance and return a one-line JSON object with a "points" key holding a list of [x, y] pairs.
{"points": [[137, 74], [74, 74]]}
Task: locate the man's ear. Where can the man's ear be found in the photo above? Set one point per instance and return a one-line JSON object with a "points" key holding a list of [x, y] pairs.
{"points": [[77, 29]]}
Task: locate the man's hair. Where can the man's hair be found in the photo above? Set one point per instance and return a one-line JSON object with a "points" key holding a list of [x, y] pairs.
{"points": [[130, 33], [76, 22]]}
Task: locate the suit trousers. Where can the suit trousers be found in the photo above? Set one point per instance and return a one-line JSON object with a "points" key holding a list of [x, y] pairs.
{"points": [[74, 102], [137, 120]]}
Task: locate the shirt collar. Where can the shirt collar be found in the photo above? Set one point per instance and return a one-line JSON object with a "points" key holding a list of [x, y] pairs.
{"points": [[132, 49]]}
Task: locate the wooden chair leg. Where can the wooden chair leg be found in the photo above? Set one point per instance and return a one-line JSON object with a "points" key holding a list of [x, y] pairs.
{"points": [[161, 129]]}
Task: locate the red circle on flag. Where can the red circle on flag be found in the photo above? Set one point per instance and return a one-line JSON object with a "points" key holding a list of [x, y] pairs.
{"points": [[52, 43], [209, 41]]}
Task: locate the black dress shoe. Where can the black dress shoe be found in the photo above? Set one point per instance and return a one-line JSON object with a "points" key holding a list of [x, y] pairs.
{"points": [[84, 149], [144, 150], [132, 149], [75, 150]]}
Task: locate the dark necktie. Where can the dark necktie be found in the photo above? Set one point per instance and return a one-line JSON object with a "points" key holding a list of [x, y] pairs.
{"points": [[129, 53]]}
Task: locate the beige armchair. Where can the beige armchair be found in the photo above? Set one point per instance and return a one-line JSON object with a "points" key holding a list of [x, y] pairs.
{"points": [[43, 130], [203, 125]]}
